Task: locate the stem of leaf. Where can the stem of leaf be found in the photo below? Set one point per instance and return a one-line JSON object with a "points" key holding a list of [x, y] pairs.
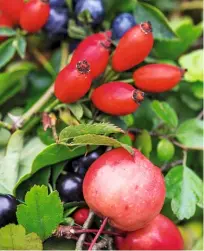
{"points": [[99, 233], [184, 158], [6, 125]]}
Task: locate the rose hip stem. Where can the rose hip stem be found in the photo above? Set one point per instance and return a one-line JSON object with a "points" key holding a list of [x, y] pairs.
{"points": [[81, 231], [98, 234]]}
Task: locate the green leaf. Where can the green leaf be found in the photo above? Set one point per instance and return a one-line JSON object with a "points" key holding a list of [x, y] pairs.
{"points": [[20, 44], [7, 51], [144, 143], [56, 171], [184, 188], [8, 32], [76, 31], [83, 129], [59, 244], [190, 133], [87, 112], [9, 167], [161, 28], [165, 112], [52, 154], [41, 213], [125, 139], [187, 35], [198, 245], [14, 237], [76, 109], [197, 89], [74, 204], [94, 139], [193, 62]]}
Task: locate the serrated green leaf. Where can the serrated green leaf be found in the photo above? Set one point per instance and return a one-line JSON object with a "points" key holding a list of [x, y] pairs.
{"points": [[98, 140], [161, 28], [9, 167], [190, 133], [20, 44], [7, 51], [193, 62], [144, 143], [13, 237], [76, 109], [184, 188], [83, 129], [165, 112], [41, 213], [8, 32]]}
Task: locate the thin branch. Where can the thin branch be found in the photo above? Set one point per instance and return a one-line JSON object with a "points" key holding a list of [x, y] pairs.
{"points": [[167, 166], [200, 115], [6, 126], [101, 244], [86, 225], [99, 233]]}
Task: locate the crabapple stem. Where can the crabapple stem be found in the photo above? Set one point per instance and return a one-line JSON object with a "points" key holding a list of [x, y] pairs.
{"points": [[98, 234]]}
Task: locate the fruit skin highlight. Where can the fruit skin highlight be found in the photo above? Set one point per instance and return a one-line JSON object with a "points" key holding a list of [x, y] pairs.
{"points": [[133, 47], [73, 82], [117, 98], [127, 189], [157, 78], [160, 234]]}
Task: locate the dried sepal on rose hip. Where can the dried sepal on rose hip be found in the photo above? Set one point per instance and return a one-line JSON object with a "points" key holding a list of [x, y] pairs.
{"points": [[34, 15], [158, 77], [133, 47], [73, 82], [117, 98]]}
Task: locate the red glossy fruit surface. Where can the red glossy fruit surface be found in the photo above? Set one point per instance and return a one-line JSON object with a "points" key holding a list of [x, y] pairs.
{"points": [[133, 47], [160, 234], [117, 98], [81, 215], [94, 49], [157, 77], [4, 22], [12, 8], [127, 189], [34, 15], [73, 82]]}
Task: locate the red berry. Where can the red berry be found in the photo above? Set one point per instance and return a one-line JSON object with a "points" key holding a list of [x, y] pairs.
{"points": [[160, 234], [4, 22], [34, 15], [132, 136], [73, 82], [94, 49], [157, 77], [117, 98], [12, 8], [119, 242], [133, 47], [81, 215], [127, 189]]}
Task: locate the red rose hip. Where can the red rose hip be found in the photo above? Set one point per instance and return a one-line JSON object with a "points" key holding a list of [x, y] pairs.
{"points": [[81, 215], [12, 8], [94, 49], [127, 189], [160, 234], [117, 98], [4, 22], [133, 47], [157, 77], [34, 15], [73, 82]]}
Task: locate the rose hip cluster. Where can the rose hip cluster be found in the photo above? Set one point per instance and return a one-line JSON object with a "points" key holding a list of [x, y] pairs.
{"points": [[90, 60], [31, 15]]}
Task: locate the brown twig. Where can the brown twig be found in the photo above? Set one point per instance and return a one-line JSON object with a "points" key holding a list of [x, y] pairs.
{"points": [[167, 166]]}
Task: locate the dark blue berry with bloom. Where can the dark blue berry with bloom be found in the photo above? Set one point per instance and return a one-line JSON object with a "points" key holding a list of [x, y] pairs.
{"points": [[57, 3], [121, 24], [57, 22], [95, 8]]}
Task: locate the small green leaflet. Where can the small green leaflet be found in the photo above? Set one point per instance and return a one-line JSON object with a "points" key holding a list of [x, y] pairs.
{"points": [[41, 213], [99, 140], [9, 167], [14, 237], [7, 51], [5, 31], [165, 112], [144, 143], [190, 133], [84, 129], [184, 188], [76, 109], [20, 44]]}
